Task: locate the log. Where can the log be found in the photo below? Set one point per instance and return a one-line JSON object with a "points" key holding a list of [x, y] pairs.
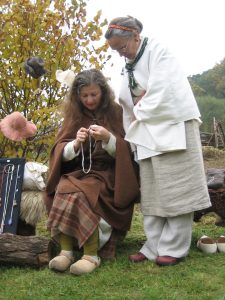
{"points": [[33, 251]]}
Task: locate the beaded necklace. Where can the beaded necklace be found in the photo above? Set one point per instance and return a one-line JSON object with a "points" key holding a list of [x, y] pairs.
{"points": [[14, 203], [9, 178], [1, 184], [90, 158]]}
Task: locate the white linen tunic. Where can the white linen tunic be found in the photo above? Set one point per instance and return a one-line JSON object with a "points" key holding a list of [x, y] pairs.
{"points": [[156, 123]]}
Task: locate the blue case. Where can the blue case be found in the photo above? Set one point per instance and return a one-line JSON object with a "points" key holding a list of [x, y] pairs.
{"points": [[11, 181]]}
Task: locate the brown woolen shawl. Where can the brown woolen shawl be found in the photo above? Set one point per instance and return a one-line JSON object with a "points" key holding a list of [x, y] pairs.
{"points": [[111, 187]]}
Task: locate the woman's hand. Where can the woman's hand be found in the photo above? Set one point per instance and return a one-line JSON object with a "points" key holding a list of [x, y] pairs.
{"points": [[99, 133], [81, 137], [139, 97]]}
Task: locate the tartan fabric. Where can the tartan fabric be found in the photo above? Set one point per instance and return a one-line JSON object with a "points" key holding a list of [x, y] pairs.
{"points": [[109, 249], [72, 215]]}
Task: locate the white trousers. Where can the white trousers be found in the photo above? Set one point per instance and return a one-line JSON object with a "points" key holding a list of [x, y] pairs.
{"points": [[167, 236]]}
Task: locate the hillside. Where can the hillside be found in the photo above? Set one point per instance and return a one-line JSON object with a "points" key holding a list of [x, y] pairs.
{"points": [[211, 82]]}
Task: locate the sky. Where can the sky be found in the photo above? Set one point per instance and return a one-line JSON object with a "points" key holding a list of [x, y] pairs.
{"points": [[194, 30]]}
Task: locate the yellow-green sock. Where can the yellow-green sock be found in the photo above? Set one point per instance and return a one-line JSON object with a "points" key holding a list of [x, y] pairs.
{"points": [[66, 242], [91, 245]]}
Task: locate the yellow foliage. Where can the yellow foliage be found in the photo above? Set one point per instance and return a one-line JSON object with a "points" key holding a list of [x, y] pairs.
{"points": [[31, 28]]}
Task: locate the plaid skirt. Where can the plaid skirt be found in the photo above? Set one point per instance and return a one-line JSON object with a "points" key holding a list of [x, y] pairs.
{"points": [[72, 215]]}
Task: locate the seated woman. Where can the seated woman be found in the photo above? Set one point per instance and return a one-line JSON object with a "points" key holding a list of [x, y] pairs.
{"points": [[92, 183]]}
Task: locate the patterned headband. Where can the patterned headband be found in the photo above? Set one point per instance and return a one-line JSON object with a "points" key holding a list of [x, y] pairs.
{"points": [[121, 27]]}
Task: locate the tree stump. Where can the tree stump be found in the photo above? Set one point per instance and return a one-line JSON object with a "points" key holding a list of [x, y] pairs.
{"points": [[31, 251]]}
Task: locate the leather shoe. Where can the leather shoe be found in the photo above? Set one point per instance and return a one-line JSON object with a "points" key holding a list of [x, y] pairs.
{"points": [[137, 257], [168, 260]]}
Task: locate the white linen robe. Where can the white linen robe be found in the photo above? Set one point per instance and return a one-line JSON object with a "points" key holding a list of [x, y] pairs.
{"points": [[167, 103]]}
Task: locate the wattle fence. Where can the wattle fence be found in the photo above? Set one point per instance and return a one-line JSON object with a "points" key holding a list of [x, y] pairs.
{"points": [[216, 138]]}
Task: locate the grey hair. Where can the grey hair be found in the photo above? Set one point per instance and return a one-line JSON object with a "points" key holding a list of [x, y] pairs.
{"points": [[129, 22]]}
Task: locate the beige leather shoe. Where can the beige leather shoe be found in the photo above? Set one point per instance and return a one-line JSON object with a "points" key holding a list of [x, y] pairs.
{"points": [[61, 262], [207, 245], [86, 264], [221, 243]]}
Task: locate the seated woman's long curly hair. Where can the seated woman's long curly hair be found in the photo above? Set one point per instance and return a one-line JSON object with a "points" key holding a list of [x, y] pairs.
{"points": [[73, 108]]}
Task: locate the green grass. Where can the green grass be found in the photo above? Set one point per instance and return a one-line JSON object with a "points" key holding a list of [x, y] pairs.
{"points": [[200, 277]]}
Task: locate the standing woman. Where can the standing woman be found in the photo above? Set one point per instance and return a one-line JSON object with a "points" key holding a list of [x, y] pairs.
{"points": [[92, 184], [161, 120]]}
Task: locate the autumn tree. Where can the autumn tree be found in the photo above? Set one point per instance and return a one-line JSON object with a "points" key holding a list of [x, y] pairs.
{"points": [[210, 82], [58, 32]]}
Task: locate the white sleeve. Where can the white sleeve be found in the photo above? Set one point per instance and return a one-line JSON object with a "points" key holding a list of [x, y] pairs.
{"points": [[68, 152], [110, 147], [168, 96], [157, 101]]}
